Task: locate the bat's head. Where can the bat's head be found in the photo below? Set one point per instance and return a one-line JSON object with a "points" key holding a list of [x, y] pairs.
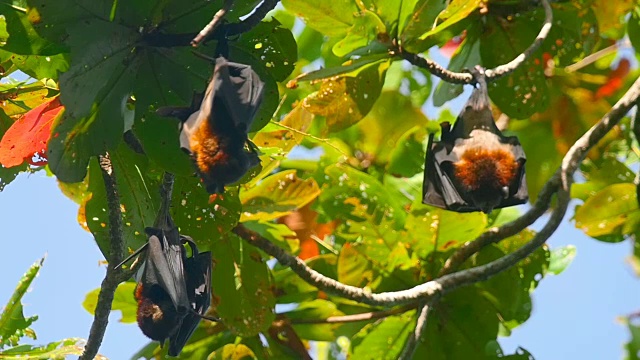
{"points": [[486, 174], [157, 316], [231, 165]]}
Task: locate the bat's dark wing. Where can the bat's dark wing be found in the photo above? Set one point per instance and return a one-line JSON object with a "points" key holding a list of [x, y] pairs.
{"points": [[230, 102], [518, 191], [240, 89], [438, 187], [165, 268], [198, 276]]}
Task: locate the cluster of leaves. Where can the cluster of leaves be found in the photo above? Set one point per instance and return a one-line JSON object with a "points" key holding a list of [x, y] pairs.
{"points": [[353, 209]]}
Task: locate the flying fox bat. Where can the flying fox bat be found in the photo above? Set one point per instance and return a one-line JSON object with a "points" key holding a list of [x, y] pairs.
{"points": [[174, 291], [214, 129], [474, 167]]}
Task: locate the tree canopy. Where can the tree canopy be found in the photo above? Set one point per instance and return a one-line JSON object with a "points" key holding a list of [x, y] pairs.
{"points": [[330, 227]]}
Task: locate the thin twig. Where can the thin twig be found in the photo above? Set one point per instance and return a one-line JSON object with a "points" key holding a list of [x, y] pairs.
{"points": [[252, 20], [491, 74], [217, 19], [590, 59], [113, 276], [418, 332], [508, 68], [581, 147], [373, 315]]}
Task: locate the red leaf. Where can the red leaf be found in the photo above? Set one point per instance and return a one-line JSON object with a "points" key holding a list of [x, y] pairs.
{"points": [[452, 45], [614, 80], [28, 136]]}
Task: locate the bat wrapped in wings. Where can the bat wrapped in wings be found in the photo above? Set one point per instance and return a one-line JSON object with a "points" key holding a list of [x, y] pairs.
{"points": [[474, 167], [174, 291], [214, 129]]}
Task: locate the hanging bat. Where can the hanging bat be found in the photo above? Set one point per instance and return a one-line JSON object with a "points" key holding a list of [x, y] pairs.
{"points": [[173, 292], [197, 270], [474, 167], [214, 129]]}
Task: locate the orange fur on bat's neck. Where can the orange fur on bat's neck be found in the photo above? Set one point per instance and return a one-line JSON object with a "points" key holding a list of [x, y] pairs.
{"points": [[207, 148], [479, 168]]}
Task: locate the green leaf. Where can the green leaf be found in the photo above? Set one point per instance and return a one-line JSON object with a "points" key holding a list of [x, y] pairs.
{"points": [[299, 120], [22, 38], [333, 18], [456, 11], [633, 29], [40, 66], [450, 334], [610, 214], [407, 159], [232, 352], [436, 229], [350, 67], [206, 218], [123, 300], [421, 20], [561, 258], [291, 289], [633, 346], [512, 37], [599, 174], [354, 268], [315, 310], [345, 100], [277, 195], [367, 28], [55, 350], [13, 324], [353, 195], [278, 234], [383, 339], [242, 287], [380, 132]]}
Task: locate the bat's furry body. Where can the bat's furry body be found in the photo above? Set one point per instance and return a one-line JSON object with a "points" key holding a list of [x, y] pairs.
{"points": [[214, 130], [474, 167]]}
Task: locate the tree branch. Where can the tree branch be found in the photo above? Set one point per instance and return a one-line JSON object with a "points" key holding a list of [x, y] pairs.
{"points": [[491, 74], [113, 276], [356, 317], [208, 29], [432, 290], [252, 20], [416, 335]]}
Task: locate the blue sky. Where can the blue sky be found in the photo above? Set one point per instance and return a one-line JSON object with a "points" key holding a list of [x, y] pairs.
{"points": [[574, 314]]}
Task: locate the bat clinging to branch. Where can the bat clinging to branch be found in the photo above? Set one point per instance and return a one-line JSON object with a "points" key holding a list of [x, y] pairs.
{"points": [[174, 291], [474, 167], [214, 130]]}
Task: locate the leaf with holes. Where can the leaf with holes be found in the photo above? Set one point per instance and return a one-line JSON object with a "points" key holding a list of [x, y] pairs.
{"points": [[277, 195], [383, 339], [28, 136], [345, 100], [241, 287], [610, 214], [123, 300]]}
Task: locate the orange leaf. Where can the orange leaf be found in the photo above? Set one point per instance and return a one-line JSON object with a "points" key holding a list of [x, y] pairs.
{"points": [[28, 136], [303, 223], [614, 80], [452, 45]]}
